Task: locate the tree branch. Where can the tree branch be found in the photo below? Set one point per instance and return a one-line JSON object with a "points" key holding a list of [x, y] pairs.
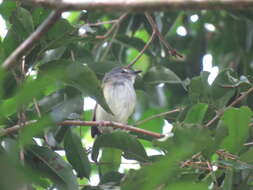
{"points": [[170, 49], [115, 22], [70, 123], [158, 115], [110, 124], [236, 101], [32, 39], [141, 5], [143, 50], [15, 128]]}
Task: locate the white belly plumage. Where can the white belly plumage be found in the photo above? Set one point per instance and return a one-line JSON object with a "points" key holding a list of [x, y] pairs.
{"points": [[122, 104]]}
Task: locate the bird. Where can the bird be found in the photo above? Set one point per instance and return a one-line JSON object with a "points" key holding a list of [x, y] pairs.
{"points": [[120, 96]]}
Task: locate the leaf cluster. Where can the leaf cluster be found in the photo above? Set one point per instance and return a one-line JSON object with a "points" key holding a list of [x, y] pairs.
{"points": [[66, 66]]}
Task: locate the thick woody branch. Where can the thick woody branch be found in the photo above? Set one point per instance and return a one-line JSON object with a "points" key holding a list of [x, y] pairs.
{"points": [[32, 39], [117, 125], [142, 5]]}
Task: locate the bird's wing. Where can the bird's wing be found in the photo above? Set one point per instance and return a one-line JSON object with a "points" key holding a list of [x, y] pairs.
{"points": [[94, 129]]}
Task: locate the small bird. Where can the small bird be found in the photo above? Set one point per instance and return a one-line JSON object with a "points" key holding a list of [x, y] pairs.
{"points": [[120, 96]]}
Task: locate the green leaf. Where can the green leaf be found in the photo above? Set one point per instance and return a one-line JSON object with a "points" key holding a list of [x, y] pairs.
{"points": [[157, 75], [237, 120], [31, 89], [176, 23], [2, 77], [22, 23], [220, 95], [164, 169], [27, 133], [199, 89], [112, 177], [110, 160], [51, 165], [83, 78], [196, 114], [189, 184], [133, 42], [129, 144], [228, 181], [184, 134], [186, 142], [10, 42], [6, 8], [155, 124], [39, 14], [247, 156], [76, 154], [25, 19], [60, 34]]}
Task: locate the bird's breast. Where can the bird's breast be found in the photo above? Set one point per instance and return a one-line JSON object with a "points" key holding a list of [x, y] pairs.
{"points": [[121, 98]]}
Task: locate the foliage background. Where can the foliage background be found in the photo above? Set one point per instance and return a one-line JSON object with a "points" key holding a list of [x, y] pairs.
{"points": [[67, 64]]}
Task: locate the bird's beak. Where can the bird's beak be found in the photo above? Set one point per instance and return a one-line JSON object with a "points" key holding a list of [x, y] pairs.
{"points": [[137, 72]]}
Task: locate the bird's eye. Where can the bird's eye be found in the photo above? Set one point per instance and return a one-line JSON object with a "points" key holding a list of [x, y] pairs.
{"points": [[124, 71]]}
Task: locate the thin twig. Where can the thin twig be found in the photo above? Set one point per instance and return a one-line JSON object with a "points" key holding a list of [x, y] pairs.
{"points": [[110, 31], [248, 144], [103, 23], [226, 154], [109, 45], [110, 124], [15, 128], [171, 50], [143, 50], [36, 105], [32, 39], [113, 27], [157, 116], [236, 101], [71, 123]]}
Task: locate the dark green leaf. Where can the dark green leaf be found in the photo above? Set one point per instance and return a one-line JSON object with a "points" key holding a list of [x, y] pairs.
{"points": [[91, 188], [155, 124], [196, 114], [164, 169], [110, 161], [25, 19], [83, 78], [158, 75], [123, 141], [199, 88], [134, 43], [237, 120], [76, 154], [247, 156], [228, 182], [6, 8], [50, 164], [10, 42], [112, 177], [189, 184], [59, 34], [32, 89]]}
